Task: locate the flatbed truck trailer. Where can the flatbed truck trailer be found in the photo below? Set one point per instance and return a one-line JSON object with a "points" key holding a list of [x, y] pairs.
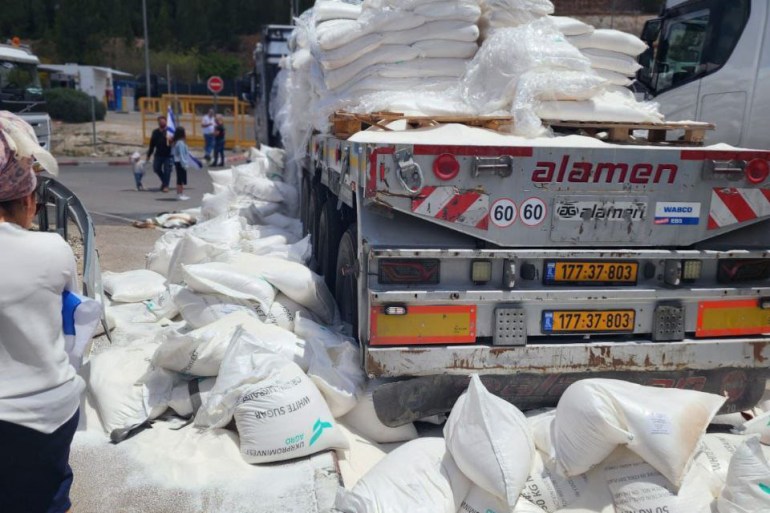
{"points": [[535, 263]]}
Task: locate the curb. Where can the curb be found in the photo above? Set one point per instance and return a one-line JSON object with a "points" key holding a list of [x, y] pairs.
{"points": [[73, 163], [237, 159]]}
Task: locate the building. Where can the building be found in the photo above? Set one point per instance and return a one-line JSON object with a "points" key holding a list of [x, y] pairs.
{"points": [[96, 81]]}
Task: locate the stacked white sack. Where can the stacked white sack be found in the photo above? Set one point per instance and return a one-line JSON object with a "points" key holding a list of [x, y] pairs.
{"points": [[533, 71], [391, 55], [236, 280], [497, 14], [612, 53]]}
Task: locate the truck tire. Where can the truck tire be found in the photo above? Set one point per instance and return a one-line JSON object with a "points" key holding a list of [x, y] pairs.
{"points": [[304, 206], [346, 278], [330, 230], [317, 199]]}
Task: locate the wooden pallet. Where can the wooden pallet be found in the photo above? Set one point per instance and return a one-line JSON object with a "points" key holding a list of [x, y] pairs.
{"points": [[694, 132], [345, 124]]}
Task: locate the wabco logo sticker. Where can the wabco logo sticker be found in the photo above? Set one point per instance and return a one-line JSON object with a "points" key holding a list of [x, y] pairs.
{"points": [[601, 211], [676, 213]]}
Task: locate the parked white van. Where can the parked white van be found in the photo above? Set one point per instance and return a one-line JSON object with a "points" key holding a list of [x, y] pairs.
{"points": [[709, 60]]}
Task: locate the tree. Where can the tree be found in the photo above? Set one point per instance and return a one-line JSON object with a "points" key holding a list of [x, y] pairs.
{"points": [[79, 31]]}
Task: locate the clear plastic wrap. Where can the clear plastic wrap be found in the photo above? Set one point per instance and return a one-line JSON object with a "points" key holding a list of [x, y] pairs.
{"points": [[540, 85], [606, 107], [490, 82]]}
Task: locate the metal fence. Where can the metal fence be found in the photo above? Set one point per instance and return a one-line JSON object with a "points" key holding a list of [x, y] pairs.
{"points": [[61, 208], [190, 109]]}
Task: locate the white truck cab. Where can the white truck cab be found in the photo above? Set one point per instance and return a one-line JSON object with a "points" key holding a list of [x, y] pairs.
{"points": [[709, 60], [21, 92]]}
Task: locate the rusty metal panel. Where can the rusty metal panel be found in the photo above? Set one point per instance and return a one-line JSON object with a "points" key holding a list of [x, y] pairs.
{"points": [[636, 356], [400, 402]]}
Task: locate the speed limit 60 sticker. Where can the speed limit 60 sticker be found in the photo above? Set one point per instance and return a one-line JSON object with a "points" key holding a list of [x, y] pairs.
{"points": [[533, 211], [503, 213]]}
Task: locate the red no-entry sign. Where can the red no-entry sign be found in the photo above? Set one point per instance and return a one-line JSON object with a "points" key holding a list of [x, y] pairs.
{"points": [[215, 84]]}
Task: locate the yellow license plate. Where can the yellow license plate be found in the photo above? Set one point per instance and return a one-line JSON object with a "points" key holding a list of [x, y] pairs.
{"points": [[588, 321], [451, 324], [595, 273], [731, 318]]}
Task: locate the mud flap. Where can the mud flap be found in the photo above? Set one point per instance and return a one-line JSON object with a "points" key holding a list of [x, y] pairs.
{"points": [[406, 401]]}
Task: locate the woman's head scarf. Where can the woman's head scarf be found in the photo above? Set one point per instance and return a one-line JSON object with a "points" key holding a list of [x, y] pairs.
{"points": [[20, 157]]}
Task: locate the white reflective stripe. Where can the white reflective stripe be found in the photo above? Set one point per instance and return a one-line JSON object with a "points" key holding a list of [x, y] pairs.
{"points": [[476, 212], [757, 200], [437, 200], [720, 213]]}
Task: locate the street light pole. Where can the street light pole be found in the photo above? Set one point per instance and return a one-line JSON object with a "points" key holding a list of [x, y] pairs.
{"points": [[146, 49]]}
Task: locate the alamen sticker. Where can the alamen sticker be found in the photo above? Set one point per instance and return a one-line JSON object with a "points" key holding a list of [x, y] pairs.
{"points": [[601, 211]]}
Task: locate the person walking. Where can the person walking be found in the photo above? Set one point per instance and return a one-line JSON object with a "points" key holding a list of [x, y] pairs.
{"points": [[162, 162], [138, 167], [182, 162], [208, 124], [40, 394], [219, 141]]}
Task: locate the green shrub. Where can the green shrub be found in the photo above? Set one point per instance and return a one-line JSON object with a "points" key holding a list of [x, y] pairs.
{"points": [[72, 106]]}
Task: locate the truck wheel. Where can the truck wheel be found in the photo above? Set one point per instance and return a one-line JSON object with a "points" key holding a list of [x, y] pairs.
{"points": [[304, 206], [346, 278], [329, 234], [317, 199]]}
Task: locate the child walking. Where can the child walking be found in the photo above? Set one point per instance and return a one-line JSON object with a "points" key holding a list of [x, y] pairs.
{"points": [[138, 164], [182, 160]]}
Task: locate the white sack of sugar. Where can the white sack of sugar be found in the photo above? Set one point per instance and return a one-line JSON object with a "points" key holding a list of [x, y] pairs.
{"points": [[363, 420], [748, 481], [284, 416], [594, 416], [296, 281], [418, 477], [489, 439], [133, 286], [479, 500], [335, 364], [229, 280]]}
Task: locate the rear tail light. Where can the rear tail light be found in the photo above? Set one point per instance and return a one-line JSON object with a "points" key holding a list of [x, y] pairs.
{"points": [[409, 271], [446, 166], [732, 271], [395, 310], [677, 271], [757, 171], [481, 271]]}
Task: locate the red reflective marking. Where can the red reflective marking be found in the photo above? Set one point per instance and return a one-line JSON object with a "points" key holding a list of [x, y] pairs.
{"points": [[457, 206], [723, 155], [473, 151], [736, 205], [766, 192], [371, 182], [484, 223], [424, 194], [712, 224]]}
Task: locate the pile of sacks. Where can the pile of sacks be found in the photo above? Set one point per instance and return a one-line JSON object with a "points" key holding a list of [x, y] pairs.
{"points": [[228, 325], [420, 57], [608, 447]]}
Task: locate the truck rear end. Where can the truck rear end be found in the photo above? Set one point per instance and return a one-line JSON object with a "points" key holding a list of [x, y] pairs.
{"points": [[536, 263]]}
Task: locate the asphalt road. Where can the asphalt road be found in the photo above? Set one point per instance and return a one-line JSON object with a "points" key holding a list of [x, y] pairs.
{"points": [[108, 192], [109, 195]]}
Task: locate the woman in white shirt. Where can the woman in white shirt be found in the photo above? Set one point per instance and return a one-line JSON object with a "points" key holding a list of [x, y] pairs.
{"points": [[39, 389]]}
